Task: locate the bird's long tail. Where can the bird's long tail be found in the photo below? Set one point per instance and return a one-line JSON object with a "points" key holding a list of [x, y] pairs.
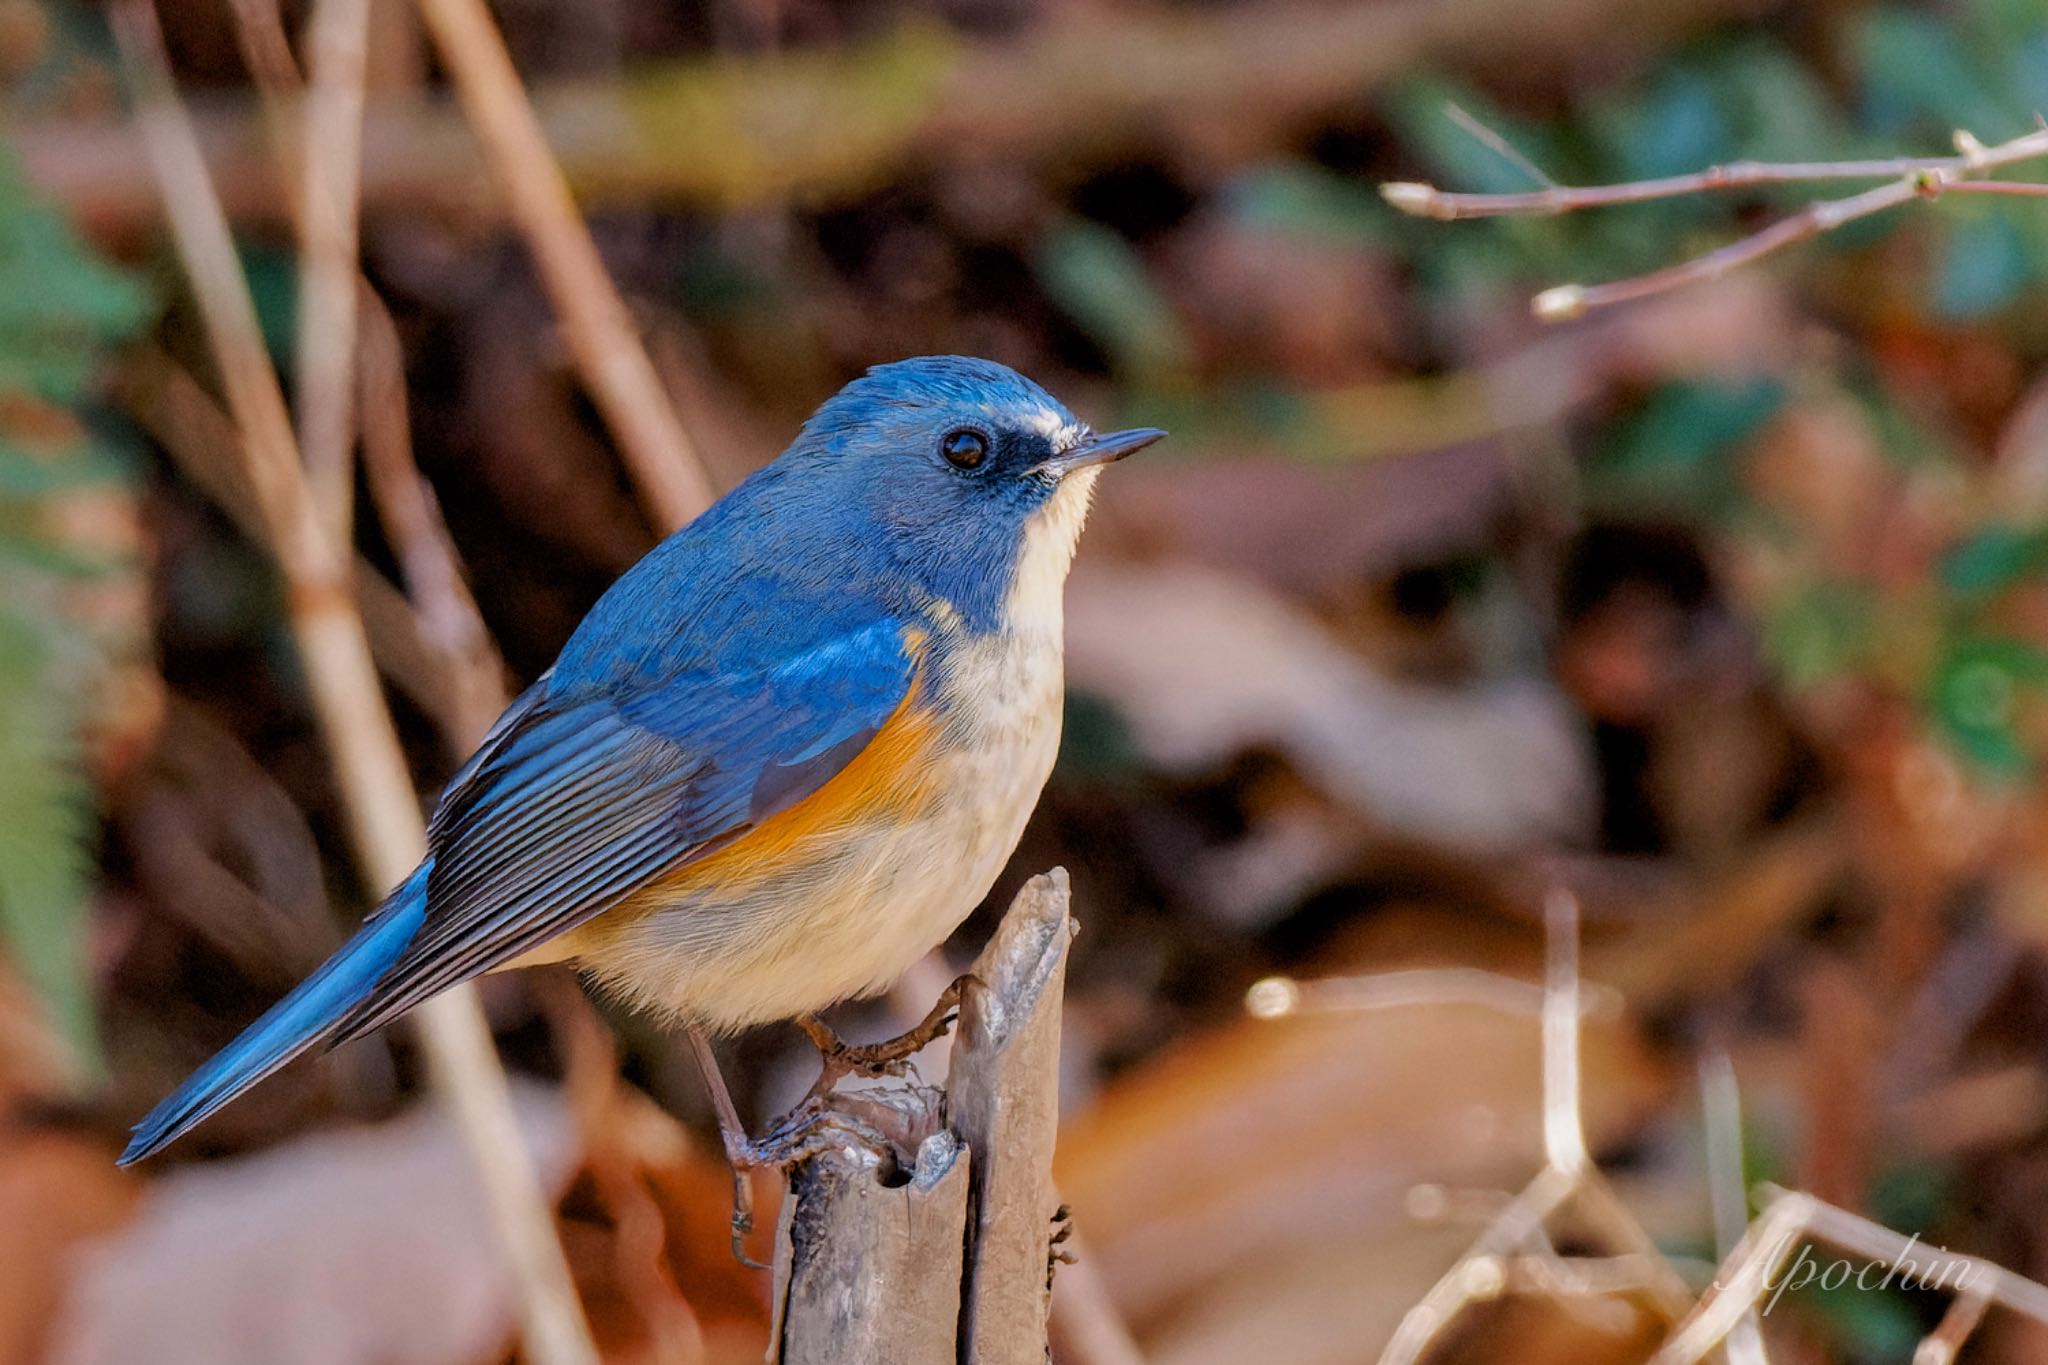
{"points": [[303, 1018]]}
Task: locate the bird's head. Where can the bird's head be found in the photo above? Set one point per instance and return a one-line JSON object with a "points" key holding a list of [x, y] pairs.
{"points": [[970, 478]]}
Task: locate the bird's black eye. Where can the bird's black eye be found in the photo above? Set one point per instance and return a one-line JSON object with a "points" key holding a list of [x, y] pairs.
{"points": [[965, 448]]}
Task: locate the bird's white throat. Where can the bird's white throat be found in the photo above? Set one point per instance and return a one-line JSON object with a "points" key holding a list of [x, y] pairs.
{"points": [[1038, 583]]}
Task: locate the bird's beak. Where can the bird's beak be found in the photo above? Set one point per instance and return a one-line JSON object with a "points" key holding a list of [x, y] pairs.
{"points": [[1101, 450]]}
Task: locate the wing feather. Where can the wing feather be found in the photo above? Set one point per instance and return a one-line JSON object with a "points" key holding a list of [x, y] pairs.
{"points": [[576, 801]]}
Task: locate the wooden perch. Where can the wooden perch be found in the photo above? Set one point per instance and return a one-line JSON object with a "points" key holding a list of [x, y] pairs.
{"points": [[1003, 1098], [870, 1271], [952, 1264]]}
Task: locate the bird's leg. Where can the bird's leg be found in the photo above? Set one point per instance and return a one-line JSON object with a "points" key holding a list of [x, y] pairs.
{"points": [[803, 1133], [734, 1135], [838, 1058]]}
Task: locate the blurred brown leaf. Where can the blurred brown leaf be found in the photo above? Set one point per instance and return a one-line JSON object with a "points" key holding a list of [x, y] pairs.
{"points": [[56, 1193], [1298, 1142], [1204, 666], [363, 1247]]}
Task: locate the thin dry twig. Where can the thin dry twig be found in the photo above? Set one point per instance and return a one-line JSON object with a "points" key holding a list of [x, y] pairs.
{"points": [[595, 322], [1721, 1115], [1276, 997], [383, 811], [1500, 1258], [1965, 1312], [1564, 1133], [1789, 1219], [1514, 1253], [187, 422], [449, 617], [267, 52], [446, 619], [1912, 178], [337, 38]]}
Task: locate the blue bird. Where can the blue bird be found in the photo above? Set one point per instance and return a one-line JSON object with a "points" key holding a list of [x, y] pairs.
{"points": [[781, 758]]}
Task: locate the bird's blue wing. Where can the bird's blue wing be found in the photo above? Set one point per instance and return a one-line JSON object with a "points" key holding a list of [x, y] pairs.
{"points": [[581, 796]]}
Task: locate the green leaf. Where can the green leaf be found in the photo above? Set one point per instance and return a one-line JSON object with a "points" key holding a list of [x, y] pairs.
{"points": [[58, 303], [1985, 262], [1301, 200], [27, 473], [45, 829], [1098, 279], [60, 309], [1675, 126], [1975, 695], [1912, 1193], [1781, 112], [1993, 559], [1916, 72], [1674, 447], [273, 275], [1822, 633], [1875, 1324], [2027, 59]]}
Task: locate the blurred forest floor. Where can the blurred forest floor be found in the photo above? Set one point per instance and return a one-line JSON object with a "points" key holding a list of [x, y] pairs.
{"points": [[1727, 611]]}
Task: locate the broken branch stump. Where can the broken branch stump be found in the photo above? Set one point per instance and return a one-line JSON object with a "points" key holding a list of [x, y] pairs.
{"points": [[942, 1255]]}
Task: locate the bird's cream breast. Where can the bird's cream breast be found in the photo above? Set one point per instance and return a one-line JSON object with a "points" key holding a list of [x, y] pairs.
{"points": [[850, 913]]}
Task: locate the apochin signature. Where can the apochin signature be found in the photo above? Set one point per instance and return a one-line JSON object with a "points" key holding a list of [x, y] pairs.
{"points": [[1936, 1269]]}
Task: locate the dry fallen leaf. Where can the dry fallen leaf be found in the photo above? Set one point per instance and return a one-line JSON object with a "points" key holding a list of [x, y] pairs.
{"points": [[56, 1191], [1301, 1140], [362, 1247], [1204, 666]]}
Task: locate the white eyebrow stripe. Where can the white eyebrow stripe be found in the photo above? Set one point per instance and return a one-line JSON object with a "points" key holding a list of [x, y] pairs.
{"points": [[1061, 431]]}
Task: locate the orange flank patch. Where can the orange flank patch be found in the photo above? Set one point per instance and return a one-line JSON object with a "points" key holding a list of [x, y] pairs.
{"points": [[891, 779]]}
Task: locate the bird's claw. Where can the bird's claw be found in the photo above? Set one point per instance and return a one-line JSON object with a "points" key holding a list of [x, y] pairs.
{"points": [[890, 1057], [806, 1131], [815, 1127]]}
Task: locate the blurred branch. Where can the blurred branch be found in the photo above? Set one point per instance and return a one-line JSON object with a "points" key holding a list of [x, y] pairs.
{"points": [[1721, 1117], [1085, 1324], [383, 810], [182, 418], [448, 615], [1912, 178], [600, 332], [267, 51], [1564, 1132], [446, 620], [1499, 1259], [1790, 1219], [732, 131], [1515, 1254], [1275, 997], [336, 39]]}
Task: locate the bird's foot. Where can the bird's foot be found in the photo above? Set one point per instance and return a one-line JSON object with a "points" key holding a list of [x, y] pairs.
{"points": [[839, 1058], [804, 1132]]}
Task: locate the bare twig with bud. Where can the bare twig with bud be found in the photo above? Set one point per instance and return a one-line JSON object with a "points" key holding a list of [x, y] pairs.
{"points": [[1911, 178]]}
